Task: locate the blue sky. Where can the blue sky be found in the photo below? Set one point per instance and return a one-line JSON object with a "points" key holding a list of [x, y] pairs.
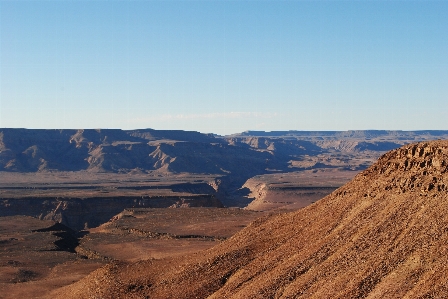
{"points": [[224, 66]]}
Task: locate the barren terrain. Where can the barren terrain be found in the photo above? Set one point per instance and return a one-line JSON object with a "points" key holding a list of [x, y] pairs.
{"points": [[382, 235], [36, 257], [83, 177], [138, 234], [294, 190], [39, 256], [155, 198]]}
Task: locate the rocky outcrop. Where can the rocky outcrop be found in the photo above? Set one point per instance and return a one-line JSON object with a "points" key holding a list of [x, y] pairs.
{"points": [[422, 169]]}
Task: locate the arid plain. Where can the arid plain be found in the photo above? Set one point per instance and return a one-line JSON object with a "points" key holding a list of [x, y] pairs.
{"points": [[73, 201]]}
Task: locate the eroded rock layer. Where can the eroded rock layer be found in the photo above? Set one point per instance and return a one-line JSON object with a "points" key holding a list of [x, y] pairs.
{"points": [[80, 213]]}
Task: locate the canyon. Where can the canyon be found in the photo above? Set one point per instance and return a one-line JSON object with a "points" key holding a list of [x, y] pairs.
{"points": [[82, 178], [72, 201], [382, 235]]}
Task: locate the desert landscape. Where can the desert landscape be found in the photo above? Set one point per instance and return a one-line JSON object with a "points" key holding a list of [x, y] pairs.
{"points": [[98, 213], [383, 236], [223, 149]]}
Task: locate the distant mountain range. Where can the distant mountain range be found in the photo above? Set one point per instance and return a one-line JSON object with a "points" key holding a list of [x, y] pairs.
{"points": [[434, 134], [246, 154]]}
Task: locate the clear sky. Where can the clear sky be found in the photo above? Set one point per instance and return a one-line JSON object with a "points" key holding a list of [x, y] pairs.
{"points": [[224, 66]]}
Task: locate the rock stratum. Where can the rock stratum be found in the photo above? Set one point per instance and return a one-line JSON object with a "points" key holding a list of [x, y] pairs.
{"points": [[382, 235]]}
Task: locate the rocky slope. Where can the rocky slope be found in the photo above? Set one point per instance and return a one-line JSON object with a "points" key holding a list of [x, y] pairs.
{"points": [[383, 235]]}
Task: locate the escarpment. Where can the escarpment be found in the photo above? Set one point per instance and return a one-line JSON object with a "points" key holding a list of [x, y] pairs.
{"points": [[80, 213]]}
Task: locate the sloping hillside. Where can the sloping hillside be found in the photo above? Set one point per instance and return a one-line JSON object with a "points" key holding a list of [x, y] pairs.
{"points": [[383, 235]]}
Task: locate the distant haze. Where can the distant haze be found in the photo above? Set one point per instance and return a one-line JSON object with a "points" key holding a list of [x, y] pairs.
{"points": [[224, 66]]}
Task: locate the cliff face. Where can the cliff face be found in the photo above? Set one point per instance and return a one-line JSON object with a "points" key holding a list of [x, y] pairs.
{"points": [[383, 235], [121, 151], [79, 213]]}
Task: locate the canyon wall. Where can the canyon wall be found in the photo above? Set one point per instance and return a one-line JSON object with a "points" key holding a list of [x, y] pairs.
{"points": [[80, 213]]}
